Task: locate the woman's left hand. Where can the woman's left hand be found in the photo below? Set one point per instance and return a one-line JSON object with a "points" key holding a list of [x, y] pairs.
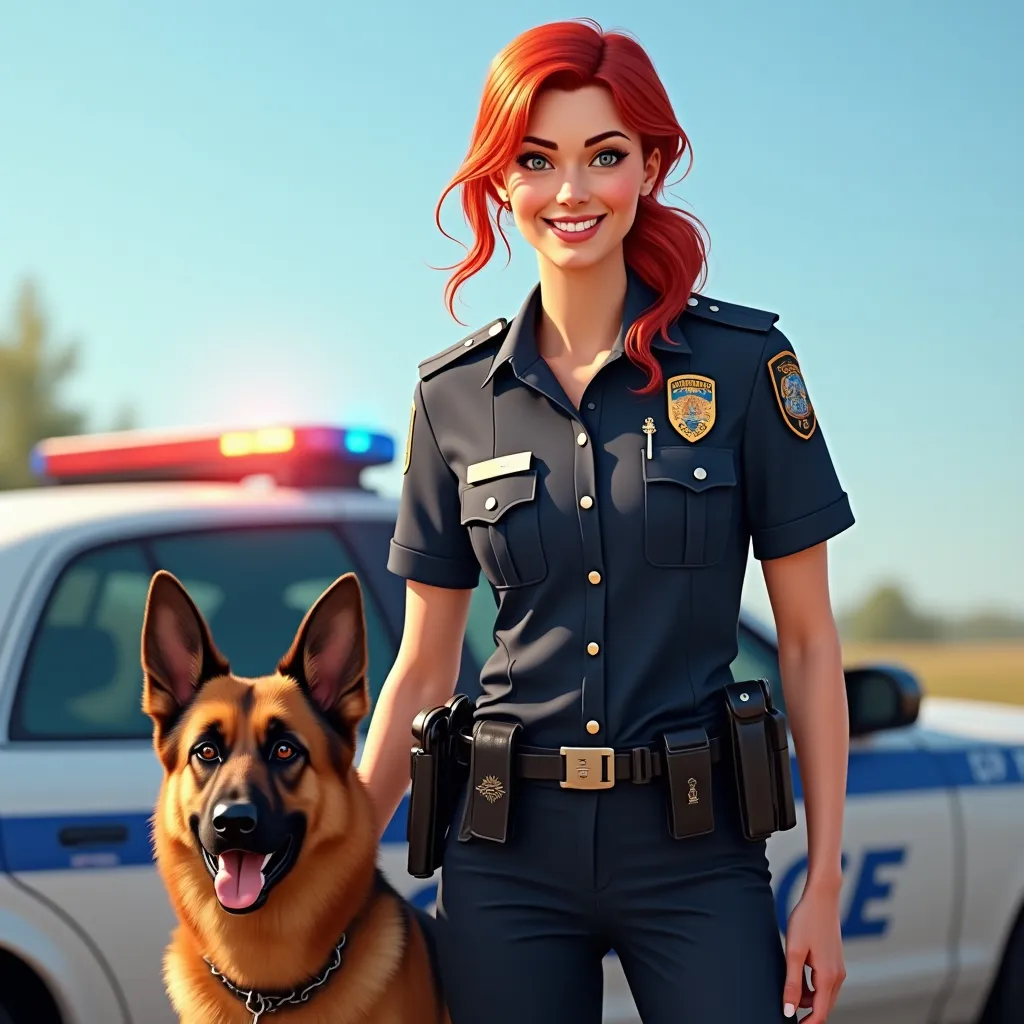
{"points": [[813, 937]]}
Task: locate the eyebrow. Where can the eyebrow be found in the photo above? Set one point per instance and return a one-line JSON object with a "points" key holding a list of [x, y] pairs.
{"points": [[592, 141]]}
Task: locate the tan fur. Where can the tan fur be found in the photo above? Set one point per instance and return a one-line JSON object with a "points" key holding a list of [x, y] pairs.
{"points": [[385, 976]]}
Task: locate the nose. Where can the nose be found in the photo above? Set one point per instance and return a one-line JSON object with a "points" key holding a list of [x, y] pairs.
{"points": [[234, 820], [573, 191]]}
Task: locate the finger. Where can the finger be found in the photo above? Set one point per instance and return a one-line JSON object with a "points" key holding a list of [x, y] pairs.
{"points": [[840, 978], [807, 996], [793, 989], [824, 982]]}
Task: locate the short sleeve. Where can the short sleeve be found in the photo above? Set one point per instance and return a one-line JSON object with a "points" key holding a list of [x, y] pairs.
{"points": [[794, 499], [430, 545]]}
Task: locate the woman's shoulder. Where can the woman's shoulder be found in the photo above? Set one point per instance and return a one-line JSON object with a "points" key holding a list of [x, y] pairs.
{"points": [[483, 338], [729, 314]]}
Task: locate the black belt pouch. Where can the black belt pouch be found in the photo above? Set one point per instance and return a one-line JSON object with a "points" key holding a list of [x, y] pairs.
{"points": [[753, 755], [437, 775], [687, 756], [782, 772], [488, 813], [426, 770]]}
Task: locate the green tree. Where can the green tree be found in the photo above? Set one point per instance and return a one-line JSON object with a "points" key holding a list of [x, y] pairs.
{"points": [[32, 371], [887, 614]]}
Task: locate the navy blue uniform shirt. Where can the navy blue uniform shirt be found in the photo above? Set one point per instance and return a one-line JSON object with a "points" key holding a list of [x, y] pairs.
{"points": [[617, 576]]}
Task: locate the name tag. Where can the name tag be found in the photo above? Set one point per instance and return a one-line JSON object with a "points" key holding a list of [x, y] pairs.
{"points": [[501, 466]]}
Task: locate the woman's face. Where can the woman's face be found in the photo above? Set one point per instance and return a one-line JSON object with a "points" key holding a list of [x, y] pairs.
{"points": [[576, 179]]}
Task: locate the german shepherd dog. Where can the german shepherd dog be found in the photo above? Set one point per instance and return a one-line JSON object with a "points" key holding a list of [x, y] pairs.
{"points": [[264, 834]]}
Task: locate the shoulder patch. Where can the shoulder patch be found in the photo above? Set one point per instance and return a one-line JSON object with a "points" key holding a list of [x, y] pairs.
{"points": [[730, 315], [791, 394], [495, 329]]}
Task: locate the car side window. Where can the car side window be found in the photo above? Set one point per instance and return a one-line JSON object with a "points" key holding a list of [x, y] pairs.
{"points": [[756, 659], [83, 678]]}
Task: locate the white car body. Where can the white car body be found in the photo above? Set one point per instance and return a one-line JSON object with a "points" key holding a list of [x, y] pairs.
{"points": [[934, 832]]}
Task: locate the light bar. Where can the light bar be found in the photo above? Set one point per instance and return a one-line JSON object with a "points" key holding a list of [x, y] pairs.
{"points": [[300, 456]]}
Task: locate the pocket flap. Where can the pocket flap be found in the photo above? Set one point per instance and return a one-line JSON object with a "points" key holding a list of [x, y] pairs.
{"points": [[695, 468], [488, 501]]}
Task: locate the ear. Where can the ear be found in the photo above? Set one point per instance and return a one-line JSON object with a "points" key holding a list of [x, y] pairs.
{"points": [[651, 169], [328, 656], [178, 653]]}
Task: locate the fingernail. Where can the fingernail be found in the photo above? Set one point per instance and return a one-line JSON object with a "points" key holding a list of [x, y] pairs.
{"points": [[789, 1009]]}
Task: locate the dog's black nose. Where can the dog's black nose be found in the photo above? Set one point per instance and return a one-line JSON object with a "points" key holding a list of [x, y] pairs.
{"points": [[232, 820]]}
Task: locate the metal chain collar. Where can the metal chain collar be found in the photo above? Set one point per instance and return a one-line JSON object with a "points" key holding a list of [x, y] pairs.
{"points": [[258, 1004]]}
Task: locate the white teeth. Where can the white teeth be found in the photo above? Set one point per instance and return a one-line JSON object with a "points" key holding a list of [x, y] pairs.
{"points": [[266, 861], [583, 225]]}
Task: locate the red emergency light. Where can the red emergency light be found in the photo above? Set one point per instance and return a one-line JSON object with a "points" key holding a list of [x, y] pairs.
{"points": [[297, 456]]}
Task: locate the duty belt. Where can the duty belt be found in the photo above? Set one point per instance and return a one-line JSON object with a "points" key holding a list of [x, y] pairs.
{"points": [[592, 767]]}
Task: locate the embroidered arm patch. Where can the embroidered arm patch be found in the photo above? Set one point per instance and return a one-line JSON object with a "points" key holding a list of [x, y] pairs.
{"points": [[791, 394]]}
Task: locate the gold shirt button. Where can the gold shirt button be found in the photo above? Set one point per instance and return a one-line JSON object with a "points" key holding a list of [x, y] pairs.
{"points": [[581, 439], [490, 503], [586, 501], [594, 576], [592, 648], [593, 727]]}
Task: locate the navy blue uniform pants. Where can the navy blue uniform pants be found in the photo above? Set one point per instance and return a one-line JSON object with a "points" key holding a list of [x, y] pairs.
{"points": [[523, 926]]}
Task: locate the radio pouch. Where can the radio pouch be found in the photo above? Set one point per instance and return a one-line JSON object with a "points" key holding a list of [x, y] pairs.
{"points": [[687, 756], [491, 779], [752, 758], [782, 772]]}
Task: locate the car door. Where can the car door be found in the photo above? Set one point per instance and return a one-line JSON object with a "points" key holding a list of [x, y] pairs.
{"points": [[899, 866], [81, 777]]}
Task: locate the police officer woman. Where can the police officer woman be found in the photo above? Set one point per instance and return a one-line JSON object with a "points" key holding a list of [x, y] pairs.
{"points": [[606, 458]]}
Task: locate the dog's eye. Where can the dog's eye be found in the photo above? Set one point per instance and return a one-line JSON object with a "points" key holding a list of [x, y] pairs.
{"points": [[283, 752], [207, 753]]}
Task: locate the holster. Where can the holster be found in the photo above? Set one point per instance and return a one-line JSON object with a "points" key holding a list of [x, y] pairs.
{"points": [[760, 745], [492, 764], [437, 772]]}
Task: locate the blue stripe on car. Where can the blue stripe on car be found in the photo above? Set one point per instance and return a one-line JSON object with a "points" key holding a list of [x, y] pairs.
{"points": [[32, 843]]}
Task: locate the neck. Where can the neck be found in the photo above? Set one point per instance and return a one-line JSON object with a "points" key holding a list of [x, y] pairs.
{"points": [[581, 310]]}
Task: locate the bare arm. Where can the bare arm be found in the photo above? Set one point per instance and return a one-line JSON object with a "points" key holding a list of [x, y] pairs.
{"points": [[810, 660], [424, 674]]}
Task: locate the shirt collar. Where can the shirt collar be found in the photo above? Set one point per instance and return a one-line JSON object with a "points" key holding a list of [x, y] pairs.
{"points": [[520, 344]]}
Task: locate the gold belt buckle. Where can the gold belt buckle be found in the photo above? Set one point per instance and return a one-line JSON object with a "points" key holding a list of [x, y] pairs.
{"points": [[584, 767]]}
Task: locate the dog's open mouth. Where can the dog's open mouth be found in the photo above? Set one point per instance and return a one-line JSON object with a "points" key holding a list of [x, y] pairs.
{"points": [[241, 879]]}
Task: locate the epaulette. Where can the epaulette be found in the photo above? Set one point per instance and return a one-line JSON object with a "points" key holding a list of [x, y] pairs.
{"points": [[495, 329], [731, 315]]}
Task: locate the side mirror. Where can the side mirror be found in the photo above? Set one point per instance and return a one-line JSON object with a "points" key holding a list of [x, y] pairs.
{"points": [[881, 697]]}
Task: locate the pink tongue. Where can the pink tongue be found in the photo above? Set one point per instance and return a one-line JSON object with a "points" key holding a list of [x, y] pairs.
{"points": [[239, 881]]}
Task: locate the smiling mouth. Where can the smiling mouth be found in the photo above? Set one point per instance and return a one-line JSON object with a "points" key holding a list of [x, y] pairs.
{"points": [[242, 879], [574, 227]]}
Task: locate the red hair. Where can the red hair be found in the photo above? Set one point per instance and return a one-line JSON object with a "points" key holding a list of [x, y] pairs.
{"points": [[664, 247]]}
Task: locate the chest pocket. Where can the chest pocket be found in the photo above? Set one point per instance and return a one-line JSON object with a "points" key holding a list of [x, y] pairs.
{"points": [[503, 521], [689, 505]]}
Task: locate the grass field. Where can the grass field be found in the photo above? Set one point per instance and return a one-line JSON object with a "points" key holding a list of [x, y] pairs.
{"points": [[980, 671]]}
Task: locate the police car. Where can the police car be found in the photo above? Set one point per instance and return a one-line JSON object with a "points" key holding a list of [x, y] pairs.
{"points": [[256, 524]]}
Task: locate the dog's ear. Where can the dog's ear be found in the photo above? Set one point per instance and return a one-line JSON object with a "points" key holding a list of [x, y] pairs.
{"points": [[178, 652], [328, 655]]}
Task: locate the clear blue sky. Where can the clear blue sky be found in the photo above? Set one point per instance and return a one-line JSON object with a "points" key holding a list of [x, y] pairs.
{"points": [[231, 205]]}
